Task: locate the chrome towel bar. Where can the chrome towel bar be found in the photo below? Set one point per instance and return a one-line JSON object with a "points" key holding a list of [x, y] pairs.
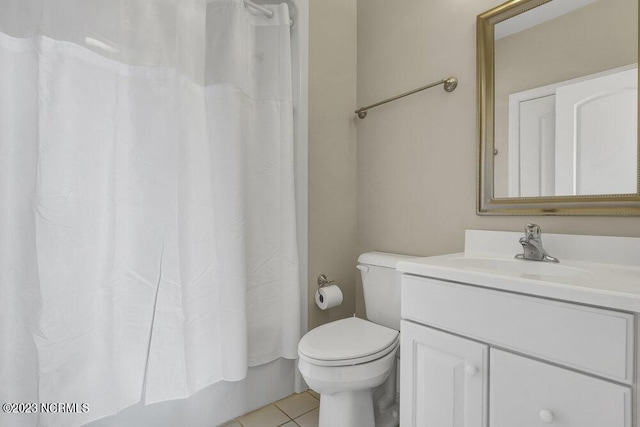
{"points": [[449, 85]]}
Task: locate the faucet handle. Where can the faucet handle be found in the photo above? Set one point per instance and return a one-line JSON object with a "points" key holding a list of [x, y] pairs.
{"points": [[532, 231]]}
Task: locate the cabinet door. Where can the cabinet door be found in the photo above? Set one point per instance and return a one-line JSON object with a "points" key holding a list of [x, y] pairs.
{"points": [[528, 393], [443, 379]]}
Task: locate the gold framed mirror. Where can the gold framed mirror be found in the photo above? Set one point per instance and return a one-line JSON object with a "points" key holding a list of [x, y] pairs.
{"points": [[558, 108]]}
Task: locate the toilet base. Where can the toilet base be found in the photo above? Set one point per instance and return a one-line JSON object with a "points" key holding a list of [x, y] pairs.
{"points": [[347, 409], [355, 408]]}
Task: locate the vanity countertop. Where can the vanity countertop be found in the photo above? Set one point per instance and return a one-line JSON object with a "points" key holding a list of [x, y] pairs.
{"points": [[488, 261]]}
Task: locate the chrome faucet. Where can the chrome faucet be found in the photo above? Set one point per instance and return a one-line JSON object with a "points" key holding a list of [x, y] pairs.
{"points": [[532, 245]]}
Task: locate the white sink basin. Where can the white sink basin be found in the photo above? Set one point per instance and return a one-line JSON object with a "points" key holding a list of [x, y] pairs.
{"points": [[517, 266], [602, 271]]}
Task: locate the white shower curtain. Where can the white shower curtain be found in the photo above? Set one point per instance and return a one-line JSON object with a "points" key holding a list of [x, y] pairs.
{"points": [[147, 220]]}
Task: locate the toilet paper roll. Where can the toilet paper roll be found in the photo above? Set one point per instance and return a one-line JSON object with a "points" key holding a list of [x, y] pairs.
{"points": [[328, 296]]}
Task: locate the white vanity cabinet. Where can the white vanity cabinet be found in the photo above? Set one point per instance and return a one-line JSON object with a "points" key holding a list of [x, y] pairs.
{"points": [[479, 357]]}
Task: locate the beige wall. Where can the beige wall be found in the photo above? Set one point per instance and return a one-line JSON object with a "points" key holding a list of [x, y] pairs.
{"points": [[416, 158], [332, 152]]}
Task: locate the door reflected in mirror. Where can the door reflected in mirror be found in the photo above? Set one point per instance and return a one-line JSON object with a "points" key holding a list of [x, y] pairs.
{"points": [[566, 91]]}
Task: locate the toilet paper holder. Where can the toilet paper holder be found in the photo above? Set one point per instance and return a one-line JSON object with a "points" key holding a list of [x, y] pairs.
{"points": [[323, 281]]}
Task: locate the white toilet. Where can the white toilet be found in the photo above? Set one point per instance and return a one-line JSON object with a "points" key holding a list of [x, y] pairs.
{"points": [[347, 359]]}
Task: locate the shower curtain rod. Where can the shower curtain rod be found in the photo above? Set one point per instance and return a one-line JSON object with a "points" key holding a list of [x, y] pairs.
{"points": [[266, 12], [449, 85]]}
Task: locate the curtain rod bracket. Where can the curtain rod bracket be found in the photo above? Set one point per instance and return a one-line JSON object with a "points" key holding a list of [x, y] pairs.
{"points": [[263, 10], [449, 84]]}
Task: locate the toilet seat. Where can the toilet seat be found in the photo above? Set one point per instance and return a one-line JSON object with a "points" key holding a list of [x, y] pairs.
{"points": [[346, 342]]}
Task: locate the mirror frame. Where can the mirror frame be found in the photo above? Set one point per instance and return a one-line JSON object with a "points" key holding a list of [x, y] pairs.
{"points": [[610, 205]]}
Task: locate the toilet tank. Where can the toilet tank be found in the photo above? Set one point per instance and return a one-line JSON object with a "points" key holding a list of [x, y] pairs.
{"points": [[381, 286]]}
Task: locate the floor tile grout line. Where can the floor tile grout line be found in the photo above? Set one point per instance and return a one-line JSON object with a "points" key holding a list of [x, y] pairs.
{"points": [[287, 415], [290, 419], [297, 416], [301, 415], [265, 406], [312, 395]]}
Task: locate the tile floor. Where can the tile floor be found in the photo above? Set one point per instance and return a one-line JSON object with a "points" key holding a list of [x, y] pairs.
{"points": [[297, 410]]}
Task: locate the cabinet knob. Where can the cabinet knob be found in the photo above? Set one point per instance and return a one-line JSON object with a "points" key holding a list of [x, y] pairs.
{"points": [[471, 370], [547, 416]]}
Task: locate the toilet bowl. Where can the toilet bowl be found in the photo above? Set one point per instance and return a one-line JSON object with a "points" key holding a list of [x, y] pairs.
{"points": [[346, 360]]}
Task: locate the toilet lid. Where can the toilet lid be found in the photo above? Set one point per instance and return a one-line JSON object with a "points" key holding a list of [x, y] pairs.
{"points": [[347, 339]]}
